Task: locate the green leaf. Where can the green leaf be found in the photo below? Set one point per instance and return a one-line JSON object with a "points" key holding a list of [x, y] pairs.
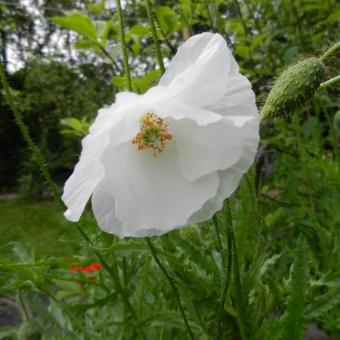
{"points": [[75, 126], [83, 307], [97, 8], [294, 321], [87, 45], [324, 303], [167, 19], [138, 30], [143, 83], [105, 32], [78, 23], [119, 82]]}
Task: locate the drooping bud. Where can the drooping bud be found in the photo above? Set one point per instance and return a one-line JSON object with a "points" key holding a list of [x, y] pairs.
{"points": [[296, 85]]}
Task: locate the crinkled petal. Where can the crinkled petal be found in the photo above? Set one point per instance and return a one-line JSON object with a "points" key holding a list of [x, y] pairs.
{"points": [[86, 175], [104, 208], [230, 178], [88, 172], [206, 142], [199, 72], [151, 194], [203, 150], [179, 111], [238, 98]]}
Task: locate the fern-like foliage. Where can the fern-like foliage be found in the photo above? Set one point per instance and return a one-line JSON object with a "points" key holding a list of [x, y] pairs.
{"points": [[294, 321], [324, 303]]}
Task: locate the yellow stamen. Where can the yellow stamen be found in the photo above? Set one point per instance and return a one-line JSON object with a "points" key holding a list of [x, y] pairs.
{"points": [[153, 134]]}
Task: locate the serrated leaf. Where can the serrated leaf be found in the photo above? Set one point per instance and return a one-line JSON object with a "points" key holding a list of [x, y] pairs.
{"points": [[294, 321], [324, 303]]}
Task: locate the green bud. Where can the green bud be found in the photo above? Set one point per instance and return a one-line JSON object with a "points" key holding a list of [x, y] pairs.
{"points": [[294, 87]]}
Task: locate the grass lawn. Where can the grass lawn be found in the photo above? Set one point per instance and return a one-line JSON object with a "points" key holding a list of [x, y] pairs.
{"points": [[35, 225]]}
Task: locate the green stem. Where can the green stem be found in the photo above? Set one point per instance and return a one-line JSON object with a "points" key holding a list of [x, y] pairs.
{"points": [[330, 82], [172, 284], [108, 55], [23, 306], [216, 220], [143, 285], [123, 45], [24, 130], [236, 273], [226, 280], [155, 36], [211, 22], [334, 49]]}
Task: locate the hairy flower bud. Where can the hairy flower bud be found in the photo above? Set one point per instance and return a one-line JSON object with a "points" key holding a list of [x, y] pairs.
{"points": [[294, 87]]}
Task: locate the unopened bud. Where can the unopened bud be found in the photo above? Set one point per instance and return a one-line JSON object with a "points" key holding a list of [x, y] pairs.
{"points": [[296, 85]]}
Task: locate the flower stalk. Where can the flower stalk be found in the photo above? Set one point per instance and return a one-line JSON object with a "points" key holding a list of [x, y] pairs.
{"points": [[330, 82], [227, 264], [236, 272], [23, 306], [173, 286], [155, 36], [329, 53], [123, 45]]}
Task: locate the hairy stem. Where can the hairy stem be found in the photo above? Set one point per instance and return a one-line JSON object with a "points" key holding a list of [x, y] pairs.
{"points": [[226, 278], [236, 273], [123, 45], [211, 21], [172, 284], [143, 284], [23, 306], [330, 82], [332, 50], [216, 220], [155, 36]]}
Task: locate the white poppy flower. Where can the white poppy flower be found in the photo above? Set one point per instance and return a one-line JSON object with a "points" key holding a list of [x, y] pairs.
{"points": [[159, 161]]}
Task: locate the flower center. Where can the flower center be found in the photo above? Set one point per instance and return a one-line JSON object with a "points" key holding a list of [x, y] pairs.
{"points": [[153, 134]]}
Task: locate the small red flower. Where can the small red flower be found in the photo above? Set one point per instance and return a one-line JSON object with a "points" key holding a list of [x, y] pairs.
{"points": [[91, 268]]}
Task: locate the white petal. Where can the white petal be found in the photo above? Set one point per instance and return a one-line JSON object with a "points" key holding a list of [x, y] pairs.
{"points": [[89, 170], [203, 150], [206, 142], [178, 111], [238, 98], [199, 71], [151, 194], [80, 185], [230, 178], [229, 181], [103, 206]]}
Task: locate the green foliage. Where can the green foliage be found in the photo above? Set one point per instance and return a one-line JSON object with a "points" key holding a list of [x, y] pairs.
{"points": [[75, 126], [292, 193], [294, 324], [140, 84], [78, 23]]}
